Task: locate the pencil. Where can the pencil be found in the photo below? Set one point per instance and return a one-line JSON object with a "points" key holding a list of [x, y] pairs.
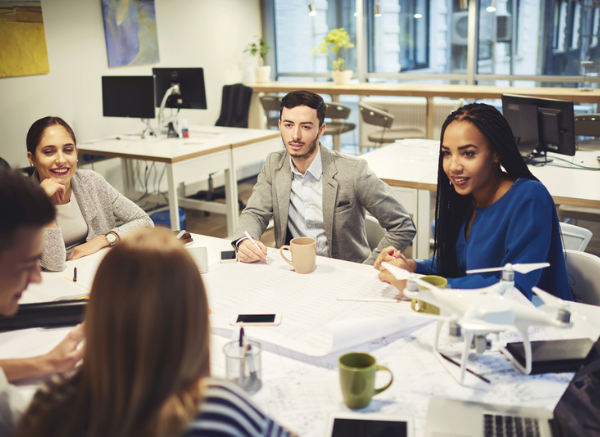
{"points": [[483, 378]]}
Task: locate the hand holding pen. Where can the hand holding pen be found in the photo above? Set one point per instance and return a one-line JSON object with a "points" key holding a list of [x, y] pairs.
{"points": [[250, 250], [387, 254]]}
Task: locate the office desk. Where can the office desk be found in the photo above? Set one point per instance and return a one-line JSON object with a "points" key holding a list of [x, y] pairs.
{"points": [[301, 391], [220, 149], [428, 91], [410, 168]]}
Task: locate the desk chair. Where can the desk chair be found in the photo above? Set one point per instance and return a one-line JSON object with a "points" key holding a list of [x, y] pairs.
{"points": [[575, 237], [377, 116], [583, 270], [374, 231], [235, 107], [271, 105], [336, 111]]}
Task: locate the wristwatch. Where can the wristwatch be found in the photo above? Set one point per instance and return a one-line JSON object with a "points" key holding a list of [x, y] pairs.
{"points": [[111, 237]]}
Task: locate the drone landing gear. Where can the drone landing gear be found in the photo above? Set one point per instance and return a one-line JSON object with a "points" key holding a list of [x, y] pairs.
{"points": [[471, 340], [528, 355]]}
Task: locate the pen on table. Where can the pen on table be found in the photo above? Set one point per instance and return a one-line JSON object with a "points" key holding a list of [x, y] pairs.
{"points": [[75, 274], [255, 245], [243, 351], [447, 358], [366, 299]]}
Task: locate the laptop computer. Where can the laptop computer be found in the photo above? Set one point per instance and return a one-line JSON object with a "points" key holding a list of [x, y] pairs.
{"points": [[576, 414]]}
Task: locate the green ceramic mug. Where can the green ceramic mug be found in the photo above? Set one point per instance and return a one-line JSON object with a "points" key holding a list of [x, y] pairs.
{"points": [[357, 379], [423, 307]]}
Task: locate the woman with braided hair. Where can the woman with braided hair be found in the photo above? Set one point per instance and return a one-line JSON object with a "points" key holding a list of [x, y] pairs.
{"points": [[490, 210]]}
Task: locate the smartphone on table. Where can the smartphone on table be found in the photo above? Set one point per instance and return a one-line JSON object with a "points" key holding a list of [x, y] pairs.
{"points": [[228, 256], [256, 319]]}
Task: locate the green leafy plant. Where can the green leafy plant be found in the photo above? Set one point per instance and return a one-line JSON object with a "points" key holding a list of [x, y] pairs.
{"points": [[336, 43], [260, 49]]}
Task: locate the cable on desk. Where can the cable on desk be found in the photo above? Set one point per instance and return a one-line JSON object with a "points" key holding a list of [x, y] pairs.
{"points": [[575, 165]]}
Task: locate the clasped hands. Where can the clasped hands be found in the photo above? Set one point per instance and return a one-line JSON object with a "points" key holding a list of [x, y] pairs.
{"points": [[394, 257]]}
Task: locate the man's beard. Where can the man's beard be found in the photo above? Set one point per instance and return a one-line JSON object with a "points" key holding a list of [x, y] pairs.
{"points": [[310, 151]]}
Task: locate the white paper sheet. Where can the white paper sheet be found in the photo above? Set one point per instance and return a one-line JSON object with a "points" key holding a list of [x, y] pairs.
{"points": [[314, 322]]}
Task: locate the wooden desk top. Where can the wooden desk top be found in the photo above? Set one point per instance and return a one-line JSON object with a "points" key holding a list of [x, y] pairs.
{"points": [[173, 150], [428, 90]]}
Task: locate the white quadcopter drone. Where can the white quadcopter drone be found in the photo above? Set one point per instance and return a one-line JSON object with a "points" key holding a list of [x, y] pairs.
{"points": [[474, 314]]}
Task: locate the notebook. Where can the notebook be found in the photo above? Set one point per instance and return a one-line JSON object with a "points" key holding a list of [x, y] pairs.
{"points": [[576, 414]]}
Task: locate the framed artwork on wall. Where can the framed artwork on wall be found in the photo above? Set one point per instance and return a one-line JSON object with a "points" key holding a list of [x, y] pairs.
{"points": [[22, 39], [130, 30]]}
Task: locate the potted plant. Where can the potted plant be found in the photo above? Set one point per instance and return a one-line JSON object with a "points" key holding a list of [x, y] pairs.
{"points": [[260, 49], [336, 43]]}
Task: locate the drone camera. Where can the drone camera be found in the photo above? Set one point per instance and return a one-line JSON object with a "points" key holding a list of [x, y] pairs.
{"points": [[481, 344]]}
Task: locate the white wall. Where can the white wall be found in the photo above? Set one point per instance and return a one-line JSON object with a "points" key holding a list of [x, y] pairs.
{"points": [[191, 33]]}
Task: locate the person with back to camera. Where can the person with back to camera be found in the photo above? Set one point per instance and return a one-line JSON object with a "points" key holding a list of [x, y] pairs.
{"points": [[88, 207], [490, 210], [26, 211], [145, 369]]}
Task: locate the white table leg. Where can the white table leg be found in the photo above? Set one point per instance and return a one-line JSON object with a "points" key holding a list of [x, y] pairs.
{"points": [[173, 200], [423, 223], [231, 200]]}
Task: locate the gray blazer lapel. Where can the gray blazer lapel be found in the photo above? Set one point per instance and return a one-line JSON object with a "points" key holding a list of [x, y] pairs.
{"points": [[330, 189], [282, 181]]}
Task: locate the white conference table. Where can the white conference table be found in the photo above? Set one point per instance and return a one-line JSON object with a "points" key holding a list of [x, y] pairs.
{"points": [[209, 149], [302, 392], [410, 168]]}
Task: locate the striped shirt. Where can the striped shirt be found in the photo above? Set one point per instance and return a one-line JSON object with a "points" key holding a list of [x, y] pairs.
{"points": [[227, 411]]}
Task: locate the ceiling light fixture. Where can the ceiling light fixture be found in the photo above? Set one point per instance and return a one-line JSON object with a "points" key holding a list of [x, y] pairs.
{"points": [[492, 7], [311, 10]]}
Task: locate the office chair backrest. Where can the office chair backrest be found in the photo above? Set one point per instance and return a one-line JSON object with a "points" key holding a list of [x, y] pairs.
{"points": [[583, 270], [336, 110], [374, 231], [575, 237], [375, 115], [271, 105], [587, 125], [235, 106]]}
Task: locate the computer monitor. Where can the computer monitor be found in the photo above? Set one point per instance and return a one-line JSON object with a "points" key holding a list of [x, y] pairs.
{"points": [[540, 126], [191, 95], [128, 96]]}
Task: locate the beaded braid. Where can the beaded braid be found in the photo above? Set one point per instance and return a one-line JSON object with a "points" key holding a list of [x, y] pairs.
{"points": [[451, 209]]}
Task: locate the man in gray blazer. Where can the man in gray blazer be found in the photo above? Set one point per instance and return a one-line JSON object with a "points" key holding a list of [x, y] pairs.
{"points": [[313, 192]]}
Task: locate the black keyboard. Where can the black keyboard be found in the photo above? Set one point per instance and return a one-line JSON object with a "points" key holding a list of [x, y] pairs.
{"points": [[495, 425]]}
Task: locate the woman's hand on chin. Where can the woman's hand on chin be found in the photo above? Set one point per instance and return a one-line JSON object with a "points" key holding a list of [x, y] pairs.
{"points": [[54, 190]]}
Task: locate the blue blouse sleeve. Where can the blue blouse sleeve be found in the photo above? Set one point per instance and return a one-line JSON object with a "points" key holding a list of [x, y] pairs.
{"points": [[527, 239], [426, 266]]}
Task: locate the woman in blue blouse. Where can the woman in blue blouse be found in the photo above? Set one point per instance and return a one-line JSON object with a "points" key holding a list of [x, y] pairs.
{"points": [[490, 210]]}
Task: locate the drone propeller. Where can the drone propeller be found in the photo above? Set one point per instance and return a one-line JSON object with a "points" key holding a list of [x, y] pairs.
{"points": [[564, 310], [520, 268], [403, 275], [547, 298]]}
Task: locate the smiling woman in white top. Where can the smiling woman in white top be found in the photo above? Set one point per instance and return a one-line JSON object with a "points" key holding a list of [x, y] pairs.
{"points": [[87, 206]]}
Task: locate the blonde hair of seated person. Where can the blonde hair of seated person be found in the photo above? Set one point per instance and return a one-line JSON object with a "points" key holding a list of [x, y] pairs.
{"points": [[146, 351]]}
